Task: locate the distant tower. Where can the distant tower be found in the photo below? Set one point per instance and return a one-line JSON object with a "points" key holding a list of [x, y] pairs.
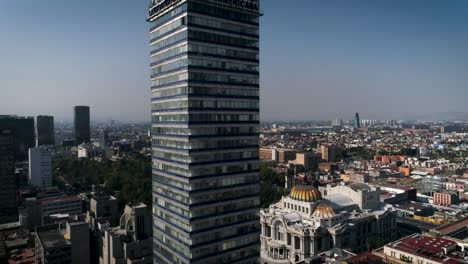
{"points": [[357, 121], [82, 128], [45, 130]]}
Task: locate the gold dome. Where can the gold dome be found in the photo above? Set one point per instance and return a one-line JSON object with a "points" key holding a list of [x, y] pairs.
{"points": [[323, 210], [305, 194]]}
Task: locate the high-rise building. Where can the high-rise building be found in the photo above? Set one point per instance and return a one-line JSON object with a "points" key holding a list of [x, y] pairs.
{"points": [[205, 130], [45, 130], [40, 167], [82, 128], [23, 136], [357, 121], [8, 211]]}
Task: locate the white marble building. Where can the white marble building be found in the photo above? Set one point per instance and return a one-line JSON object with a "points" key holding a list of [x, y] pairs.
{"points": [[305, 223]]}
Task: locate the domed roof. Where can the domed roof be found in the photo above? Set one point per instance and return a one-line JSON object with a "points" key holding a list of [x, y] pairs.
{"points": [[323, 210], [305, 193]]}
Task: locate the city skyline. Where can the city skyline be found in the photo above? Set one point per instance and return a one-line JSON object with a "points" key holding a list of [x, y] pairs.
{"points": [[393, 53]]}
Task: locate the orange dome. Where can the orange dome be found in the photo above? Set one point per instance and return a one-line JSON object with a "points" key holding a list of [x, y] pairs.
{"points": [[305, 194], [323, 210]]}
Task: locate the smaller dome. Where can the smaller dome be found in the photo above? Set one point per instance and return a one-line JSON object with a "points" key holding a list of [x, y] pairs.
{"points": [[323, 210], [305, 193]]}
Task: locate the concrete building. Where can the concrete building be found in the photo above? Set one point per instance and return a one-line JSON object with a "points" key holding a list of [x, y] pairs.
{"points": [[23, 134], [329, 153], [103, 208], [267, 154], [307, 159], [82, 127], [131, 241], [40, 167], [41, 211], [91, 151], [45, 130], [57, 245], [445, 198], [304, 224], [285, 155], [204, 59], [8, 210]]}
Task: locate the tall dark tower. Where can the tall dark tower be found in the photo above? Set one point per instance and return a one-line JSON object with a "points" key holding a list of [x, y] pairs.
{"points": [[23, 137], [357, 121], [45, 130], [205, 130], [82, 128], [8, 210]]}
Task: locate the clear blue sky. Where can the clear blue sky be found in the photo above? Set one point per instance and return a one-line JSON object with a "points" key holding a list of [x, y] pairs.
{"points": [[321, 59]]}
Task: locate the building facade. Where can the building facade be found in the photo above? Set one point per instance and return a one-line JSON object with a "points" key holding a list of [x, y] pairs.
{"points": [[305, 224], [45, 130], [357, 121], [82, 127], [23, 134], [205, 130], [40, 167], [8, 211], [131, 241]]}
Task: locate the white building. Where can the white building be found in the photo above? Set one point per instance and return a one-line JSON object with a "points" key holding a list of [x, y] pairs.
{"points": [[40, 167], [92, 151], [304, 224]]}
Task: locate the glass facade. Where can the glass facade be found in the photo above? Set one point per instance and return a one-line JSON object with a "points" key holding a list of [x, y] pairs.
{"points": [[82, 127], [205, 130], [45, 130]]}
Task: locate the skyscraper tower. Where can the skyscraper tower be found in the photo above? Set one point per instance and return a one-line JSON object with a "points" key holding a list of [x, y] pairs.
{"points": [[357, 121], [8, 210], [45, 130], [82, 128], [23, 136], [205, 130]]}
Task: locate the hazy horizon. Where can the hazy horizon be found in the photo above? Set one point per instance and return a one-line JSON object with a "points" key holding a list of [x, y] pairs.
{"points": [[320, 60]]}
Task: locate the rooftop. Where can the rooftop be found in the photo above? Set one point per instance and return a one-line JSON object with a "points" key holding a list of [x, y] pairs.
{"points": [[453, 227], [428, 247], [53, 239], [58, 199]]}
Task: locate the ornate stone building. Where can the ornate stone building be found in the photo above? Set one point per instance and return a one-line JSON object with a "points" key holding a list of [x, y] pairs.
{"points": [[305, 224]]}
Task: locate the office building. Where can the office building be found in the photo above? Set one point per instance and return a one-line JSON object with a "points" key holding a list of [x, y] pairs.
{"points": [[330, 153], [306, 223], [82, 127], [131, 241], [54, 244], [357, 121], [103, 208], [40, 167], [45, 130], [23, 134], [205, 132], [8, 211], [42, 211]]}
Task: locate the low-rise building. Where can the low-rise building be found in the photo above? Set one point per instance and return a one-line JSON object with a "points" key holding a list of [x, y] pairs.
{"points": [[54, 244], [445, 198]]}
